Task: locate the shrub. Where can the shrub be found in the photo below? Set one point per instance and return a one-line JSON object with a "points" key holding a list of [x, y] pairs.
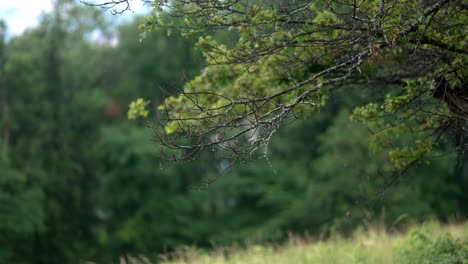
{"points": [[420, 248]]}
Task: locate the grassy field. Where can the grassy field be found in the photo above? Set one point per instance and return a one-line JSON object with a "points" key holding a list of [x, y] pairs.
{"points": [[426, 243]]}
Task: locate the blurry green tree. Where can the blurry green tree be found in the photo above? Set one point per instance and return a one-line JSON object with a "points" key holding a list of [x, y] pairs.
{"points": [[62, 84], [51, 111]]}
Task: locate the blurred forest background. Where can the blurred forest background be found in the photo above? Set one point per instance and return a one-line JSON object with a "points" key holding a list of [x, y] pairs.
{"points": [[78, 181]]}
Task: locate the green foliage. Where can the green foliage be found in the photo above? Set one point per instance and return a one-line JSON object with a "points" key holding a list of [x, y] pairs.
{"points": [[285, 57], [420, 248], [392, 134], [21, 209], [443, 244], [344, 177], [153, 209], [137, 109], [79, 182], [153, 69]]}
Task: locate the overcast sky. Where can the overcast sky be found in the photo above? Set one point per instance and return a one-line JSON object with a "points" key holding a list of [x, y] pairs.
{"points": [[22, 14]]}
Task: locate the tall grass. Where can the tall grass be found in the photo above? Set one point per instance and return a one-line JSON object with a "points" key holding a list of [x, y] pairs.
{"points": [[427, 243]]}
